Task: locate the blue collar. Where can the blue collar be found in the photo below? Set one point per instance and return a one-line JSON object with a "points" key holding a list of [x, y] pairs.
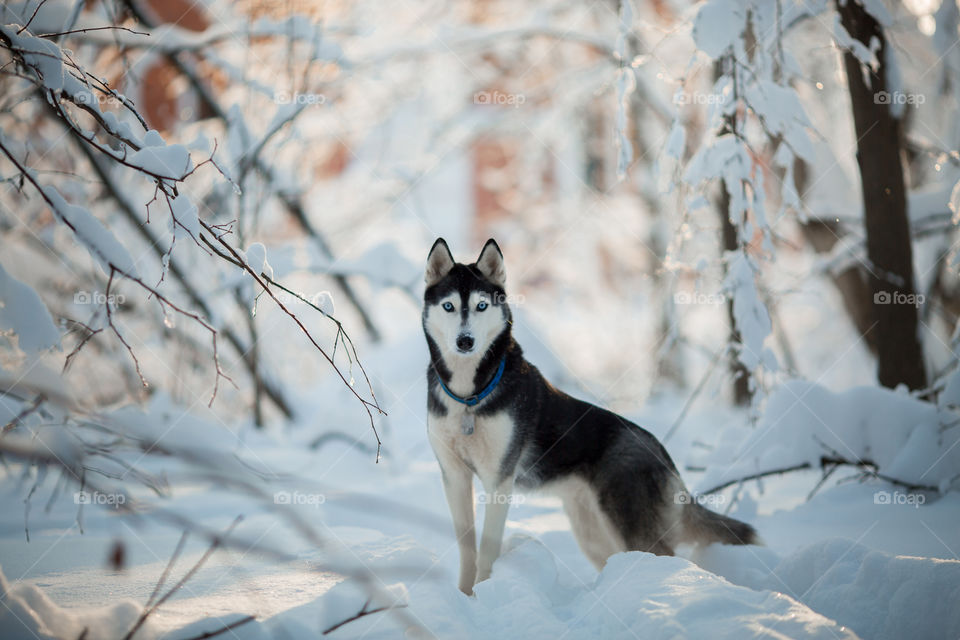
{"points": [[475, 399]]}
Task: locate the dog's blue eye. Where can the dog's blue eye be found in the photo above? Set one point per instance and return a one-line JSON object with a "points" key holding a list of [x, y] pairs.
{"points": [[481, 306], [448, 306]]}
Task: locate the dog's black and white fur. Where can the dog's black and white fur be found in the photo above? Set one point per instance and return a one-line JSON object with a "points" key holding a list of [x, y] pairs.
{"points": [[619, 486]]}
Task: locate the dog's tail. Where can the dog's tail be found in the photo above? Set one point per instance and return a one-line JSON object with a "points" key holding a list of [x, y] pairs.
{"points": [[700, 525]]}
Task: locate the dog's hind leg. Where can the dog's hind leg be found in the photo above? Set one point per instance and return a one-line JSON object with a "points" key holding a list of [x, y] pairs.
{"points": [[494, 520], [591, 527]]}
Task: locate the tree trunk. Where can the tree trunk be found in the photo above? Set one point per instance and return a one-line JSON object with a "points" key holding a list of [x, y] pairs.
{"points": [[741, 377], [890, 255]]}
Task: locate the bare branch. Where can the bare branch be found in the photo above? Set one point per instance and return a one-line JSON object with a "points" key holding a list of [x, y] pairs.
{"points": [[869, 470], [364, 611], [228, 627], [214, 545], [163, 300], [17, 419], [367, 404], [35, 12], [89, 29]]}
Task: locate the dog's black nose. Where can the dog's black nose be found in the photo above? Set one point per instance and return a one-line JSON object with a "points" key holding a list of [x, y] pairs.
{"points": [[464, 342]]}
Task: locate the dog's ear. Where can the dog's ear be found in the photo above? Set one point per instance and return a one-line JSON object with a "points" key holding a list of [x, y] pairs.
{"points": [[439, 262], [490, 263]]}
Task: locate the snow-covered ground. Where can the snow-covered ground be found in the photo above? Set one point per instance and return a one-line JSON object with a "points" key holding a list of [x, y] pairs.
{"points": [[842, 564]]}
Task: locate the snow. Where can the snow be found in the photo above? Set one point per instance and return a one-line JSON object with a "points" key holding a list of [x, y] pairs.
{"points": [[664, 597], [675, 143], [158, 158], [803, 421], [42, 55], [877, 595], [388, 523], [749, 314], [667, 597], [728, 158], [99, 241], [717, 26], [185, 212], [866, 56], [23, 312], [833, 589], [28, 614], [783, 115], [324, 301], [256, 258]]}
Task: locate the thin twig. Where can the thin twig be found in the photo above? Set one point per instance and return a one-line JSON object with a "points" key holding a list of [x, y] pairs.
{"points": [[35, 12], [166, 572], [17, 419], [214, 545], [116, 331], [80, 345], [362, 613], [696, 392], [228, 627], [88, 29]]}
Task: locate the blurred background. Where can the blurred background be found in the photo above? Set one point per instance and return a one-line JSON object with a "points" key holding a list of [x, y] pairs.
{"points": [[345, 137]]}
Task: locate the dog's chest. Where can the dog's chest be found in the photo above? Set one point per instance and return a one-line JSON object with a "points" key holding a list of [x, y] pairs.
{"points": [[483, 450]]}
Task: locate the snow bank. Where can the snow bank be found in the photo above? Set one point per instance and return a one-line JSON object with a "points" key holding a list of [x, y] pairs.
{"points": [[637, 594], [831, 589], [908, 439], [28, 614], [878, 595], [875, 594]]}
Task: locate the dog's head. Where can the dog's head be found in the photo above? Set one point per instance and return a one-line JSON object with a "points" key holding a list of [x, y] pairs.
{"points": [[464, 306]]}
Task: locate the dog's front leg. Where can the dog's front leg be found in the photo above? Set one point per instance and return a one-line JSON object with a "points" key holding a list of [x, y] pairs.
{"points": [[494, 519], [458, 487]]}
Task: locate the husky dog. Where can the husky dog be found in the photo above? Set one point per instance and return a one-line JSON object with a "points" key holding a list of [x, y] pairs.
{"points": [[491, 413]]}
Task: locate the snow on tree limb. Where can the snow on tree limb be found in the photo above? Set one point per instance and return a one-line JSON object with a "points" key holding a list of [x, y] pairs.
{"points": [[23, 312]]}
